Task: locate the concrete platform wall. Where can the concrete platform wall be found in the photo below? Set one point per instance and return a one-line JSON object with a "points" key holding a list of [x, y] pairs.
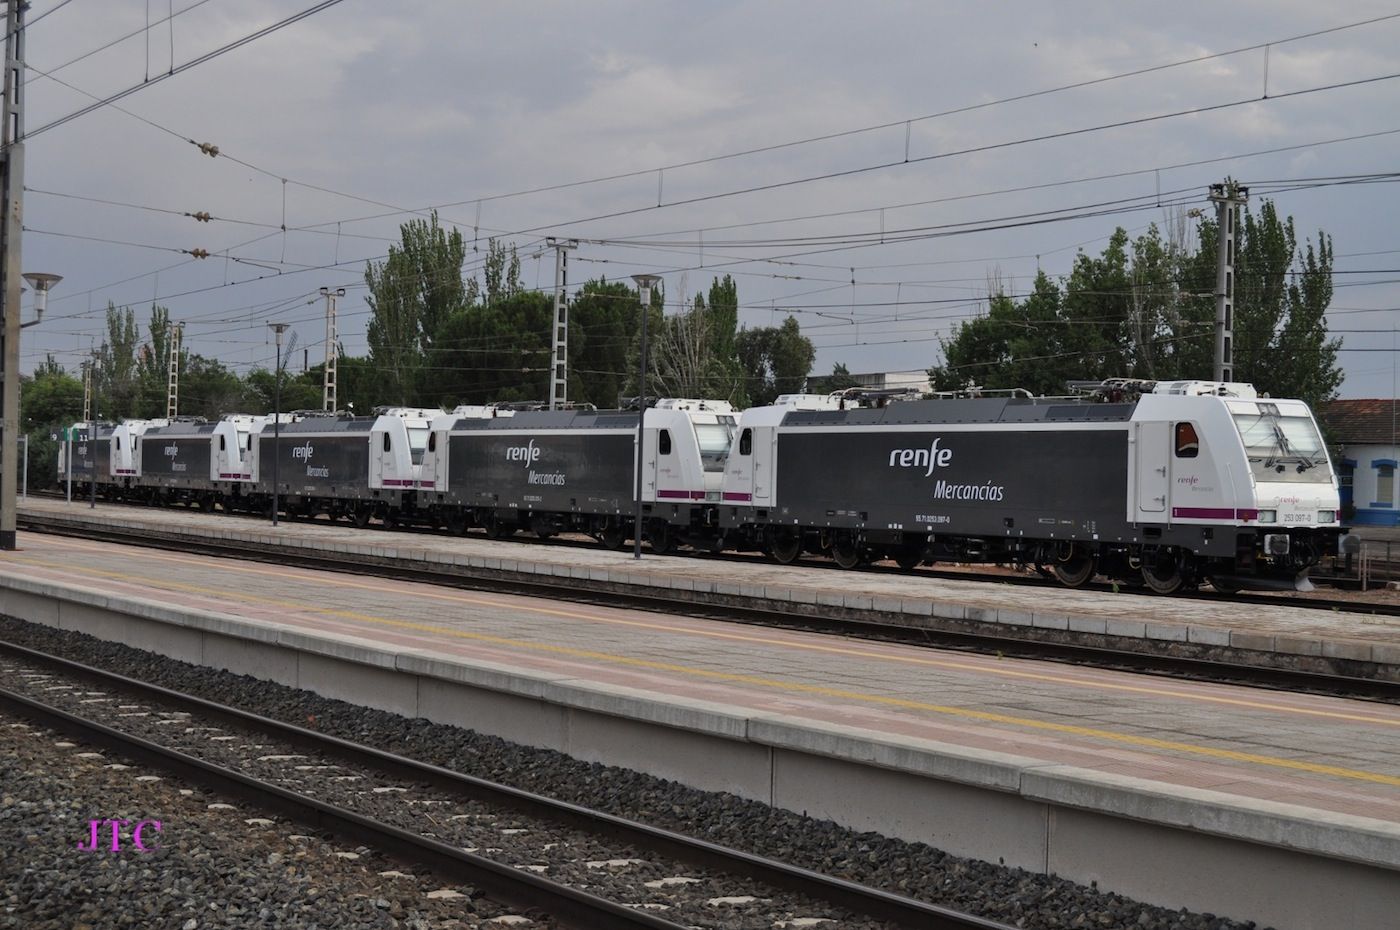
{"points": [[986, 806]]}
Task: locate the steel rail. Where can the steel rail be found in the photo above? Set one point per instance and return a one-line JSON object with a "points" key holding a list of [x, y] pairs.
{"points": [[569, 905], [862, 899], [571, 590], [1031, 581]]}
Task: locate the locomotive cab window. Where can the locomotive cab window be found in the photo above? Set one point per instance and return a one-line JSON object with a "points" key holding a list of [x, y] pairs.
{"points": [[432, 442], [1188, 444], [663, 442], [746, 442], [387, 444], [223, 444]]}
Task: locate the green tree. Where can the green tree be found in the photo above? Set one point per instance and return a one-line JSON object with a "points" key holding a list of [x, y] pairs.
{"points": [[603, 319], [50, 400], [299, 391], [776, 360], [839, 380], [411, 296], [1033, 344], [118, 386], [1146, 309], [497, 351]]}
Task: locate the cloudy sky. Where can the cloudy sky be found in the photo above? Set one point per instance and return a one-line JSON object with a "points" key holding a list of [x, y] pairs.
{"points": [[337, 127]]}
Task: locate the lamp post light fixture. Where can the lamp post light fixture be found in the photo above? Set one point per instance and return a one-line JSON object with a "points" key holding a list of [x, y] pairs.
{"points": [[645, 282], [42, 282], [279, 329]]}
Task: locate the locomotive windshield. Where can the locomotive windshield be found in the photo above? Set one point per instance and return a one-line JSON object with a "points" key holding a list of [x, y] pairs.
{"points": [[417, 442], [715, 439], [1283, 448]]}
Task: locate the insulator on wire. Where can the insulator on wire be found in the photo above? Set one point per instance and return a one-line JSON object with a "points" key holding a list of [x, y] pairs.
{"points": [[201, 217], [198, 253], [208, 148]]}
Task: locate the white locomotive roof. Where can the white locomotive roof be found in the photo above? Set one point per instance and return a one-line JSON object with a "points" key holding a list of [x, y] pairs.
{"points": [[812, 402], [1207, 388], [686, 403]]}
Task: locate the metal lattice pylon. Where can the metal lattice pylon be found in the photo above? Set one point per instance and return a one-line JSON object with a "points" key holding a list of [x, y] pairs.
{"points": [[172, 381]]}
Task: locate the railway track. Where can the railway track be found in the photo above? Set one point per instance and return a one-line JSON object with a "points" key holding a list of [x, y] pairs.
{"points": [[569, 905], [975, 640], [1263, 599]]}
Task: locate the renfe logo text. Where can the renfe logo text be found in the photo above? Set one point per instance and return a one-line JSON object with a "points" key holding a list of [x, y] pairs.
{"points": [[528, 454], [302, 452], [930, 458]]}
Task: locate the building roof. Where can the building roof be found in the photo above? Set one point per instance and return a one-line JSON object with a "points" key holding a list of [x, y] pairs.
{"points": [[1362, 420]]}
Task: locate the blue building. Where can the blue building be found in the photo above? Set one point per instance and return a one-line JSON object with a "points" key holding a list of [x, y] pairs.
{"points": [[1365, 438]]}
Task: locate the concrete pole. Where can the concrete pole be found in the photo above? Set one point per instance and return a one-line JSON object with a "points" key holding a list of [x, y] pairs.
{"points": [[559, 356], [1227, 198], [645, 282], [12, 183], [279, 329], [92, 434], [329, 400]]}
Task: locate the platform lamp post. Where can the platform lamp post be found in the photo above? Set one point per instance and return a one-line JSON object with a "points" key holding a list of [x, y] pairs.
{"points": [[279, 329], [645, 282]]}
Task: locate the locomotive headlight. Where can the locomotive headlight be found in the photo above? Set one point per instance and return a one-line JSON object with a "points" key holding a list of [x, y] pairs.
{"points": [[1327, 516], [1268, 516]]}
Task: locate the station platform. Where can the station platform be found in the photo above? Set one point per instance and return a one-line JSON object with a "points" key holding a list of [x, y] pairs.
{"points": [[1348, 642], [1278, 808]]}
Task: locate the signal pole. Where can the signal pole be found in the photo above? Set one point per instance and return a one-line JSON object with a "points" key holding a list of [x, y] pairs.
{"points": [[91, 403], [175, 333], [11, 192], [278, 329], [1228, 198], [645, 283], [559, 357], [328, 398]]}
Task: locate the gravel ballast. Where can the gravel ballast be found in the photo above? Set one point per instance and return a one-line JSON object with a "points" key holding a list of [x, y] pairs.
{"points": [[1014, 896], [217, 865]]}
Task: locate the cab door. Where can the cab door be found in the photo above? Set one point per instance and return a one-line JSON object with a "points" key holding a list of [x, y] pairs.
{"points": [[1152, 469], [765, 464]]}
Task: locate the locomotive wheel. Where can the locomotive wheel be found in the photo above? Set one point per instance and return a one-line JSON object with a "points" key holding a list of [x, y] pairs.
{"points": [[845, 551], [1075, 570], [612, 535], [206, 504], [456, 522], [785, 545], [660, 536], [1225, 585], [910, 557], [390, 520], [1163, 573], [497, 528], [361, 516]]}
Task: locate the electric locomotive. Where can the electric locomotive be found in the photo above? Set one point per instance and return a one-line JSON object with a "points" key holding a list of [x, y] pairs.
{"points": [[1163, 485]]}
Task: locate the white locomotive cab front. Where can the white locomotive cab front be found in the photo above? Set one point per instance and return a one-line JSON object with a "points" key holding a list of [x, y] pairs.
{"points": [[1294, 483]]}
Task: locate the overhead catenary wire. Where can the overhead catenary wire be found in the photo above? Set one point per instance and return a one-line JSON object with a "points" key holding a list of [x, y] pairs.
{"points": [[185, 66]]}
